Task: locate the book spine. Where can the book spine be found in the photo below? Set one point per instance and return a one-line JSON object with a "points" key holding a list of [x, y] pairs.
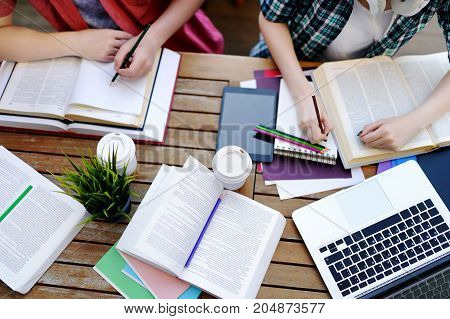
{"points": [[320, 158]]}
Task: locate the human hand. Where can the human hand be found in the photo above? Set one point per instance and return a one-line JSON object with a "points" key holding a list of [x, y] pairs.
{"points": [[391, 133], [100, 44], [142, 60], [308, 118]]}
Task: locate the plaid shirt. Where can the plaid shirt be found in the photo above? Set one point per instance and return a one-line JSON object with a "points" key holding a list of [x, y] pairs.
{"points": [[314, 24]]}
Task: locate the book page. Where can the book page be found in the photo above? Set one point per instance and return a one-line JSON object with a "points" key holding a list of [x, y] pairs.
{"points": [[237, 248], [368, 90], [179, 208], [93, 89], [36, 222], [41, 87], [423, 74]]}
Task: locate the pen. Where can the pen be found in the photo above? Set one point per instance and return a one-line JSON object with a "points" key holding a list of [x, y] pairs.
{"points": [[130, 54], [318, 114]]}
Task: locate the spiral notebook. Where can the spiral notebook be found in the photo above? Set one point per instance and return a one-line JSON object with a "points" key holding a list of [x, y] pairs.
{"points": [[287, 121]]}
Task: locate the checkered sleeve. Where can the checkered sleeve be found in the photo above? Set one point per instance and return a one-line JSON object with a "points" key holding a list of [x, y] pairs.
{"points": [[278, 10], [444, 21], [7, 7]]}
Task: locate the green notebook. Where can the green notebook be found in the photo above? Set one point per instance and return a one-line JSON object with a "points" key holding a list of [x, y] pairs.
{"points": [[110, 268]]}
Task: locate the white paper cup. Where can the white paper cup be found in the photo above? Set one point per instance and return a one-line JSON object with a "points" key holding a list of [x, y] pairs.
{"points": [[125, 148], [232, 165]]}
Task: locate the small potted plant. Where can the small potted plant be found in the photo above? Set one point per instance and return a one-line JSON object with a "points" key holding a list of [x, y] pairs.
{"points": [[102, 188]]}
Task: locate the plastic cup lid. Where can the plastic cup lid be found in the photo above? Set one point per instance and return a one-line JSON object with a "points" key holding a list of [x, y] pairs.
{"points": [[232, 163], [113, 142]]}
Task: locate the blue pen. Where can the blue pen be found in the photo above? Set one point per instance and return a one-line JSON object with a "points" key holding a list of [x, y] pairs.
{"points": [[203, 232]]}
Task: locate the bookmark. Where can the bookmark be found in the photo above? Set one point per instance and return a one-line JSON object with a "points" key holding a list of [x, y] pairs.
{"points": [[203, 232]]}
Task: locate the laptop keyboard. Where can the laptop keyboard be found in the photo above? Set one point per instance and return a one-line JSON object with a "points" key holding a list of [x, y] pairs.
{"points": [[434, 287], [386, 247]]}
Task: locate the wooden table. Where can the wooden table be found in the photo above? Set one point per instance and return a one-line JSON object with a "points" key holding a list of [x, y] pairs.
{"points": [[192, 131]]}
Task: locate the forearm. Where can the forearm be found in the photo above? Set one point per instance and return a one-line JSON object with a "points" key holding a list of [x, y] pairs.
{"points": [[22, 44], [435, 106], [174, 17], [279, 42]]}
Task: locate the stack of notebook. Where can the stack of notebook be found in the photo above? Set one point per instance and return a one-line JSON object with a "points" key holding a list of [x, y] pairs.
{"points": [[295, 170], [135, 279]]}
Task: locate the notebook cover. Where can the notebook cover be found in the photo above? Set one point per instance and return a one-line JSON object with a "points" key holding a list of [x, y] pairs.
{"points": [[288, 168], [161, 284], [437, 168], [110, 268], [191, 293], [270, 73], [268, 83], [384, 166]]}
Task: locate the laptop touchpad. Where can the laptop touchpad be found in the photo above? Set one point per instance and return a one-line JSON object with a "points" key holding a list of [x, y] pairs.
{"points": [[363, 203]]}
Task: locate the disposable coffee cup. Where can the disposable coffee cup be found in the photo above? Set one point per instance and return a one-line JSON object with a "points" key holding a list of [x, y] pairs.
{"points": [[125, 148], [232, 165]]}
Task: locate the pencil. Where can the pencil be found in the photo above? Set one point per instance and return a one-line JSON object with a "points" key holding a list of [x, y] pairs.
{"points": [[289, 136], [290, 139], [130, 54], [316, 107]]}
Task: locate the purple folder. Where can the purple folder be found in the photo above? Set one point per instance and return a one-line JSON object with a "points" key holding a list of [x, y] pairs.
{"points": [[384, 166], [268, 83], [288, 168]]}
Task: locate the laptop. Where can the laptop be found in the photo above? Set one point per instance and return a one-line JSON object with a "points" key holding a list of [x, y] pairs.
{"points": [[373, 238]]}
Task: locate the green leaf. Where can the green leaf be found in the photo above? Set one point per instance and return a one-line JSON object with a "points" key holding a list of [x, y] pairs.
{"points": [[98, 186]]}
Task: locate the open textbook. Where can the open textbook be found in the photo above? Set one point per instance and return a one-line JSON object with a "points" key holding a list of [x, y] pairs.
{"points": [[358, 92], [219, 241], [36, 223], [73, 94]]}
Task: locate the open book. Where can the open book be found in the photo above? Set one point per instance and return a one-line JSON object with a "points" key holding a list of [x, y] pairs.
{"points": [[73, 94], [359, 92], [219, 241], [36, 223]]}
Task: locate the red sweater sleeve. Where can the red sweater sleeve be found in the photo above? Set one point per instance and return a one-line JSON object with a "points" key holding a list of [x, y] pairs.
{"points": [[7, 7]]}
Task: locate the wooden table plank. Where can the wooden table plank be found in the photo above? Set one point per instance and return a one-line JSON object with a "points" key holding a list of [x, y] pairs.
{"points": [[196, 103], [175, 137], [225, 68], [200, 87], [44, 146], [284, 293], [75, 276], [294, 277], [286, 207], [51, 292]]}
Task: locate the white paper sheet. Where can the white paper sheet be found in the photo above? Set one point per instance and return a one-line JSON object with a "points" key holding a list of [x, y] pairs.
{"points": [[297, 188]]}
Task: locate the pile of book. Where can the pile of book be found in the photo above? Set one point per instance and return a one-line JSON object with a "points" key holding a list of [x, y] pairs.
{"points": [[71, 95], [189, 232]]}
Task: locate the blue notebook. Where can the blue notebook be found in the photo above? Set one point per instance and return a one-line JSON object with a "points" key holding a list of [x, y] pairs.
{"points": [[436, 166]]}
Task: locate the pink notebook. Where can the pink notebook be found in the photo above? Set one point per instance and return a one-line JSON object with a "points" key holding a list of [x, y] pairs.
{"points": [[160, 284]]}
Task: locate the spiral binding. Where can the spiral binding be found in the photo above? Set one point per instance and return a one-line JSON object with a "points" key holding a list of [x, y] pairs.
{"points": [[306, 155]]}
